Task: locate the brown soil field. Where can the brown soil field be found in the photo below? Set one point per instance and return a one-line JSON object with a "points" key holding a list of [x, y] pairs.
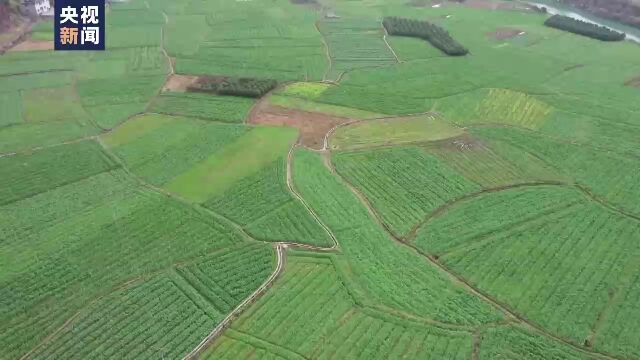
{"points": [[312, 126], [33, 45], [504, 33], [635, 82]]}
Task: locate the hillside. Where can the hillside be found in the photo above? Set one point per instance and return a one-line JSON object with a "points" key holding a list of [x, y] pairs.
{"points": [[381, 179]]}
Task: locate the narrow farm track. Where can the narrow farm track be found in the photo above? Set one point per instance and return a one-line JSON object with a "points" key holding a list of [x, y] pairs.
{"points": [[39, 148], [326, 51], [453, 202], [464, 282], [384, 37], [313, 214], [281, 260]]}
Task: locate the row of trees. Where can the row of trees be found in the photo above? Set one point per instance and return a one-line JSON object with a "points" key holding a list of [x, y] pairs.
{"points": [[247, 87], [434, 34], [583, 28]]}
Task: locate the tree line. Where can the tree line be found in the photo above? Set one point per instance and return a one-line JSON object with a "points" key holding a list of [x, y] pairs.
{"points": [[583, 28], [437, 36], [247, 87]]}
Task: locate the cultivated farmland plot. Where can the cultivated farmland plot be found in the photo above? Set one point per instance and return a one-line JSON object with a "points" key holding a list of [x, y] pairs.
{"points": [[383, 201]]}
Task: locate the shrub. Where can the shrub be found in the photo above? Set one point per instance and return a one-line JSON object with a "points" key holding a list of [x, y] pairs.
{"points": [[247, 87], [583, 28], [434, 34]]}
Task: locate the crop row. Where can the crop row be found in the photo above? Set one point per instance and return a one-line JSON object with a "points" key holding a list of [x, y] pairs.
{"points": [[263, 205], [404, 184], [434, 34], [373, 258], [584, 28], [30, 174], [220, 108], [308, 311], [556, 261]]}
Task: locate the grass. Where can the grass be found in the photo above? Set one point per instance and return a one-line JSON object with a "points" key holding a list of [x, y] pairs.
{"points": [[243, 157], [11, 112], [52, 104], [387, 132]]}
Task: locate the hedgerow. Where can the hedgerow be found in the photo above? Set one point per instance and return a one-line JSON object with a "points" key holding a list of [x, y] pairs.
{"points": [[248, 87], [583, 28], [434, 34]]}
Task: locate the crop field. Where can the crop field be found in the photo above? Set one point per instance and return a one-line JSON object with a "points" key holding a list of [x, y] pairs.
{"points": [[374, 198], [167, 314], [267, 210], [582, 286], [393, 131], [354, 44], [404, 183], [325, 323], [203, 106]]}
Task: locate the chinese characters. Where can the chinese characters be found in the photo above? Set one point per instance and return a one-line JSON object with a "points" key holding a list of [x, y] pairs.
{"points": [[79, 25]]}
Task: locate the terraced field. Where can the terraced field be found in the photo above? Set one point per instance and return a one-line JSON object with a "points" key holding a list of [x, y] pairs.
{"points": [[383, 201]]}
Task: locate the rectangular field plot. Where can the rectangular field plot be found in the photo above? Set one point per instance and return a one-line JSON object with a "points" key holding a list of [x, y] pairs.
{"points": [[404, 184], [353, 44], [166, 315], [372, 257], [266, 209], [321, 321], [70, 244], [160, 148], [245, 156], [281, 42], [27, 175], [560, 256], [220, 108]]}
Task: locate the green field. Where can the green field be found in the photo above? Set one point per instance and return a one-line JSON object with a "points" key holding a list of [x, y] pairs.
{"points": [[473, 207]]}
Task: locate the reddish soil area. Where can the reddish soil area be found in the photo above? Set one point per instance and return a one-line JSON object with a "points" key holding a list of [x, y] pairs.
{"points": [[635, 82], [504, 33], [312, 126], [33, 45]]}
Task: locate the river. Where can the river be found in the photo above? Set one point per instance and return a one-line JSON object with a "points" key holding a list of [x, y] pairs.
{"points": [[554, 7]]}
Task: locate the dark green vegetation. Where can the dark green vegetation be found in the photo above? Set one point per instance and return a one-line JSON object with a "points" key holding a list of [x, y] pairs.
{"points": [[583, 28], [434, 34], [473, 207], [246, 87]]}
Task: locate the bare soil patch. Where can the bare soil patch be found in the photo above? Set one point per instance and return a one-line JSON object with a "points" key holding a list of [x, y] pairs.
{"points": [[635, 82], [179, 82], [505, 33], [312, 126], [33, 45]]}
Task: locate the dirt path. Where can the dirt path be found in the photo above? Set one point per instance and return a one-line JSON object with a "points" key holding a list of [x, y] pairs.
{"points": [[281, 260], [326, 51], [294, 192], [456, 278], [384, 37]]}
